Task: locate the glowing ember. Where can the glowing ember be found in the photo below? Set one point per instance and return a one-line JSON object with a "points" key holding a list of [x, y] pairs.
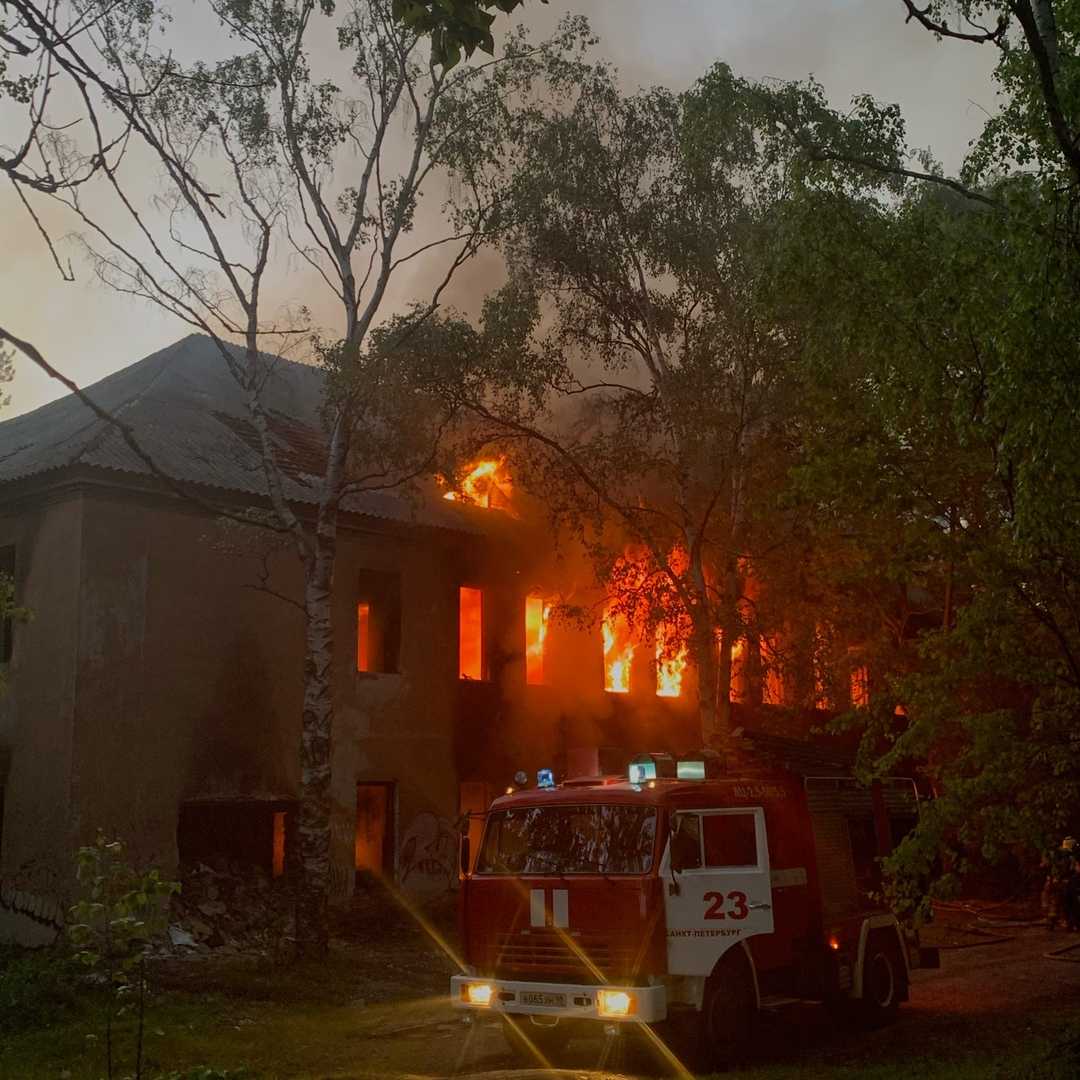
{"points": [[487, 484], [671, 653], [536, 626], [618, 653]]}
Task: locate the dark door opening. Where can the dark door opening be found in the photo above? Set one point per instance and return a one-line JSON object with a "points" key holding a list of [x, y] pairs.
{"points": [[374, 832]]}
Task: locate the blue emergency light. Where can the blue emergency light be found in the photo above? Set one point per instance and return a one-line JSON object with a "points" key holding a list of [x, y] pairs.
{"points": [[545, 778]]}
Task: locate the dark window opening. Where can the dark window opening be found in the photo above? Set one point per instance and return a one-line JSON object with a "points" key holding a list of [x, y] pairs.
{"points": [[234, 835], [374, 846], [378, 622], [7, 593], [730, 840]]}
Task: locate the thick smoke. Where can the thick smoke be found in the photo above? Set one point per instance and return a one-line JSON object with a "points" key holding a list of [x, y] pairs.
{"points": [[850, 47]]}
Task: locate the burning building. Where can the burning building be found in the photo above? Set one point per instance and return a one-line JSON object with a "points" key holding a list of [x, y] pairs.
{"points": [[156, 694]]}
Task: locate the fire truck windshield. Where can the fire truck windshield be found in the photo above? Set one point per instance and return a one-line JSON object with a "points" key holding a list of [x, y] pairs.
{"points": [[569, 840]]}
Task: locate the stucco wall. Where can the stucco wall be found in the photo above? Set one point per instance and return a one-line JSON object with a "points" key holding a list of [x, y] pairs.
{"points": [[36, 714], [189, 682]]}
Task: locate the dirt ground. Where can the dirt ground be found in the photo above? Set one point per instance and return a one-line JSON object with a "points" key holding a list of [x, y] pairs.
{"points": [[996, 988], [378, 1006]]}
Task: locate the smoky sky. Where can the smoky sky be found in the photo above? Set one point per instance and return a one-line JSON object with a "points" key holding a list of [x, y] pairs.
{"points": [[850, 46]]}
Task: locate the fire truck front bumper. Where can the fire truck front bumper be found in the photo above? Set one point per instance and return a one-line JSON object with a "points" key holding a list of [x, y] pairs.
{"points": [[630, 1004]]}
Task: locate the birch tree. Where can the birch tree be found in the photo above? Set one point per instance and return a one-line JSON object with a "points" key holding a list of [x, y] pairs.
{"points": [[261, 158], [648, 390]]}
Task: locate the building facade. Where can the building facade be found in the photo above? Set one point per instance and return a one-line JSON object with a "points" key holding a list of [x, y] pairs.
{"points": [[156, 694]]}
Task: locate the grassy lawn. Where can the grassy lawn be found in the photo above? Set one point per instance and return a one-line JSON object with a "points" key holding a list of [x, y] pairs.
{"points": [[266, 1040], [378, 1008], [272, 1040]]}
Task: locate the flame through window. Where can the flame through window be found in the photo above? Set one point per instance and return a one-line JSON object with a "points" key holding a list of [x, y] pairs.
{"points": [[569, 840]]}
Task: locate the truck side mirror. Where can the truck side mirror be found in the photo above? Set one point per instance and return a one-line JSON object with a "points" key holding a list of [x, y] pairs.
{"points": [[466, 854]]}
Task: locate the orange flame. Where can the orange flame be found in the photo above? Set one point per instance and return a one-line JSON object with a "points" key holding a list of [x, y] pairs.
{"points": [[487, 484], [536, 627], [860, 687], [772, 685], [618, 653], [670, 660]]}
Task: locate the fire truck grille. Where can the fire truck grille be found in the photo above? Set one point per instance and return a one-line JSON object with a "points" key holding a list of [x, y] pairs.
{"points": [[591, 957]]}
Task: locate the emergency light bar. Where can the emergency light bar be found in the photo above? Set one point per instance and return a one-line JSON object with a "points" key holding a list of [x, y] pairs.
{"points": [[647, 767], [699, 765]]}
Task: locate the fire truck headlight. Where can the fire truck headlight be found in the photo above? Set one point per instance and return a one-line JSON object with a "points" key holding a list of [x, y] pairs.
{"points": [[478, 993], [615, 1003]]}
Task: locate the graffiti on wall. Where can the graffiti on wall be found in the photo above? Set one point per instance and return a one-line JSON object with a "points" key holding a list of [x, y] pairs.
{"points": [[428, 862]]}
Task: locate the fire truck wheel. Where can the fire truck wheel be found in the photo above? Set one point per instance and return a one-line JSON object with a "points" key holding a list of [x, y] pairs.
{"points": [[727, 1012], [530, 1041], [883, 981]]}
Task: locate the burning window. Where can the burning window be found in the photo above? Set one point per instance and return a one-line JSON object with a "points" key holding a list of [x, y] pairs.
{"points": [[470, 633], [860, 687], [277, 868], [823, 645], [619, 649], [537, 612], [773, 691], [378, 622], [363, 636], [671, 650], [486, 484], [739, 688]]}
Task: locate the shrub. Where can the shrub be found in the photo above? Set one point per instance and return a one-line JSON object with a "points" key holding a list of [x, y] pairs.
{"points": [[37, 988]]}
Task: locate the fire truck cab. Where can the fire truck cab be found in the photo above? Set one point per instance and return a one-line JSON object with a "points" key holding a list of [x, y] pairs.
{"points": [[679, 891]]}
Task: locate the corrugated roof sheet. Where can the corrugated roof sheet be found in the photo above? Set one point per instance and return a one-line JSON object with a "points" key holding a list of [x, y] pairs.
{"points": [[188, 413]]}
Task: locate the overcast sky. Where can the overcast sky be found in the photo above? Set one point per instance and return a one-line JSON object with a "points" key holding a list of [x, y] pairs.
{"points": [[850, 46]]}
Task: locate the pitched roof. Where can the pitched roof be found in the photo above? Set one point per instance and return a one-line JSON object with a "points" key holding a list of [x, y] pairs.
{"points": [[189, 415]]}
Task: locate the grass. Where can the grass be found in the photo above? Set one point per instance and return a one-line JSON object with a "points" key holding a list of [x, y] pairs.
{"points": [[379, 1009], [233, 1038], [267, 1040]]}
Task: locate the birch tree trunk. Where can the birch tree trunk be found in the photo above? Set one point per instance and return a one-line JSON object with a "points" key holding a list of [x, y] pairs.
{"points": [[708, 680], [316, 734]]}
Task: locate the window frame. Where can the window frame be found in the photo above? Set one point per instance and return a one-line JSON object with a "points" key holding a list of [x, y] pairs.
{"points": [[380, 592], [494, 818], [760, 839]]}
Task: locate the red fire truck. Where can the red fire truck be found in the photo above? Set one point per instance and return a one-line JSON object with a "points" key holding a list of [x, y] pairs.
{"points": [[682, 894]]}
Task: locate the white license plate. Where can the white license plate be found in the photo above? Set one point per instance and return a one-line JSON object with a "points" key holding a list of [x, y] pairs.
{"points": [[536, 997]]}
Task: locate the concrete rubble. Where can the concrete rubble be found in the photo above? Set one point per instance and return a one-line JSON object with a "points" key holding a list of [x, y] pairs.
{"points": [[225, 907]]}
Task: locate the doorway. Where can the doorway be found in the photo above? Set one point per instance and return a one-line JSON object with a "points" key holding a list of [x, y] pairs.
{"points": [[374, 832]]}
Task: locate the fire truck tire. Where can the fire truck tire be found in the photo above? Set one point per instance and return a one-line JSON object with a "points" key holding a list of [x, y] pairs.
{"points": [[728, 1012], [884, 981], [531, 1041]]}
